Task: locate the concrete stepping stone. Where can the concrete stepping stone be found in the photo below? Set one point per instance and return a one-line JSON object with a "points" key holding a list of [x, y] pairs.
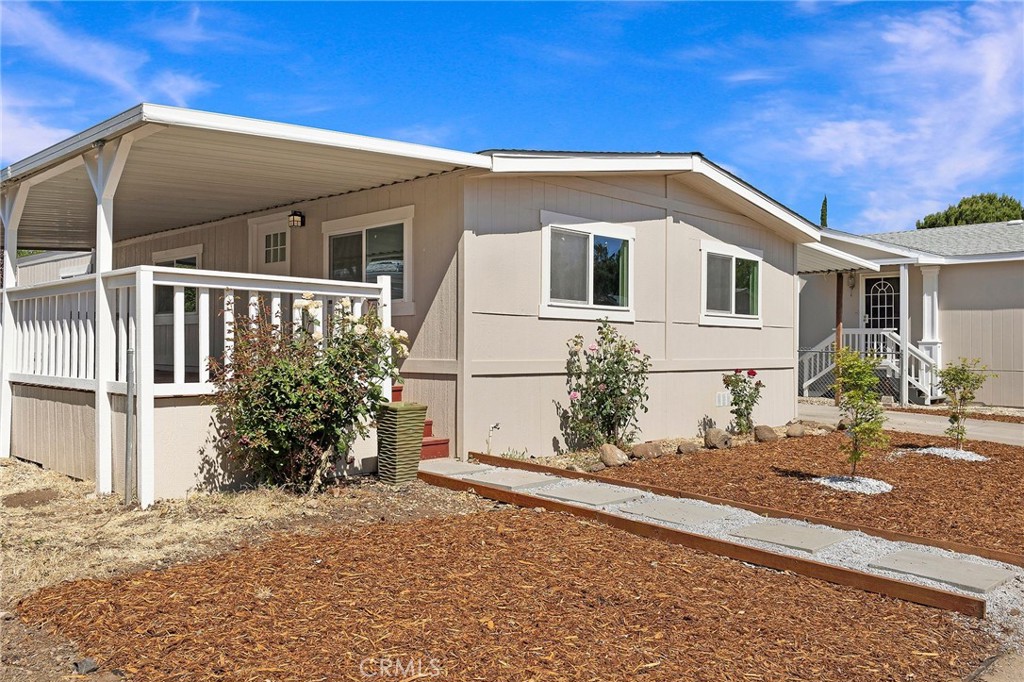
{"points": [[590, 494], [682, 512], [511, 479], [967, 575], [446, 466], [804, 538]]}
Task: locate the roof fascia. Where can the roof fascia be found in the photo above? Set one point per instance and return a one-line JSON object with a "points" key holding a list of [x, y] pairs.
{"points": [[177, 116], [74, 146], [984, 258], [521, 163], [856, 262]]}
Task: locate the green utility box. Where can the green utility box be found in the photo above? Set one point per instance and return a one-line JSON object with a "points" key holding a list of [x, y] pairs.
{"points": [[399, 441]]}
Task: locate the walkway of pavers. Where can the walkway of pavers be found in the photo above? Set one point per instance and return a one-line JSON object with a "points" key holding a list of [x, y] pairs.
{"points": [[931, 425], [904, 561]]}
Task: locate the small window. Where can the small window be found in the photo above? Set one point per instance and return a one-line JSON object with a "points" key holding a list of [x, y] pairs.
{"points": [[731, 285], [187, 258], [275, 247], [365, 247], [588, 269]]}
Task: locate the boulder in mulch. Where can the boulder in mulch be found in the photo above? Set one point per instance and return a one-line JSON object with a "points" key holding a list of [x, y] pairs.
{"points": [[765, 434], [646, 451], [611, 456], [717, 439], [686, 449], [795, 431], [596, 467], [844, 424]]}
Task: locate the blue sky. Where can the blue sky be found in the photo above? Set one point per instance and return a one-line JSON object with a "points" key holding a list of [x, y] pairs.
{"points": [[892, 109]]}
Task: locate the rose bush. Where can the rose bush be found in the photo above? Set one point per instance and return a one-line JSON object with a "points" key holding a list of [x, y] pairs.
{"points": [[290, 399], [745, 393], [607, 388]]}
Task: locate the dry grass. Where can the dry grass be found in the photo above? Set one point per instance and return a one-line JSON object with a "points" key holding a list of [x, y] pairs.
{"points": [[78, 535]]}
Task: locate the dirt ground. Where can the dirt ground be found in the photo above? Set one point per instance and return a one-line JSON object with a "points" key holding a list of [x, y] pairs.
{"points": [[512, 595], [54, 529], [977, 503]]}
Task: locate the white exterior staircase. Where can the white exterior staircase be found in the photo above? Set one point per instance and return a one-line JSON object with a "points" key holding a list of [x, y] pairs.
{"points": [[817, 364]]}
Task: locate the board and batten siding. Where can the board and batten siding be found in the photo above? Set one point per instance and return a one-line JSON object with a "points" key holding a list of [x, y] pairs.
{"points": [[515, 358], [981, 315]]}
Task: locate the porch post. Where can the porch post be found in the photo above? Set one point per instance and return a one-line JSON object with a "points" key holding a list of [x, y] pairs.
{"points": [[384, 311], [839, 327], [145, 414], [105, 165], [931, 338], [12, 206], [904, 334]]}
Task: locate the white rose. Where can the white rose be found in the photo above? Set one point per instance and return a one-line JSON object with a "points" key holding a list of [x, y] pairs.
{"points": [[403, 335], [359, 329], [389, 330], [308, 296], [317, 336]]}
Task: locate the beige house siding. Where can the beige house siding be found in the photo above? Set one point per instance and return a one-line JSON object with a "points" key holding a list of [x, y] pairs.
{"points": [[982, 316], [515, 358], [55, 428], [51, 270]]}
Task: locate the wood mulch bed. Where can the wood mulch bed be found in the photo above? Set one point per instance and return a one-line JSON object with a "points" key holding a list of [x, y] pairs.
{"points": [[977, 503], [981, 416], [513, 595]]}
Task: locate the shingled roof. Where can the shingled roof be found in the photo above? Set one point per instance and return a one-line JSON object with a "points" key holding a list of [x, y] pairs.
{"points": [[960, 240]]}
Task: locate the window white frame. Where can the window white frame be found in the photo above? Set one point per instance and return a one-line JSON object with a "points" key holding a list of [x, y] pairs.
{"points": [[716, 318], [189, 251], [367, 221], [256, 246], [590, 228]]}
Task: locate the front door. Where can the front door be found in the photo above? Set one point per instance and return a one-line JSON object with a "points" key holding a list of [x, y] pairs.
{"points": [[882, 303]]}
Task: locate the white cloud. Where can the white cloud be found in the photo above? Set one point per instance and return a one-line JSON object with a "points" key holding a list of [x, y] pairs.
{"points": [[179, 88], [752, 76], [188, 28], [422, 133], [22, 134], [929, 109]]}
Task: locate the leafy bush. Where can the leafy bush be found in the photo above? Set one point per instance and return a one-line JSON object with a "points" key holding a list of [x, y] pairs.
{"points": [[745, 392], [291, 400], [961, 383], [607, 383], [860, 403]]}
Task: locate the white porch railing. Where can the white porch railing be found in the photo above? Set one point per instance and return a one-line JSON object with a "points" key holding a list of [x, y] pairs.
{"points": [[818, 362], [55, 336]]}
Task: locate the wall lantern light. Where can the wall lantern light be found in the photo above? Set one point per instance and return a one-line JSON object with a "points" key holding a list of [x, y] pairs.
{"points": [[296, 219]]}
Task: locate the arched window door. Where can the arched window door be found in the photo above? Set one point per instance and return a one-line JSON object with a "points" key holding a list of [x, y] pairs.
{"points": [[882, 303]]}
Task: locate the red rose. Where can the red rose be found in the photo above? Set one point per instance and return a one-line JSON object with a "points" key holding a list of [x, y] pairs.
{"points": [[738, 371], [751, 373]]}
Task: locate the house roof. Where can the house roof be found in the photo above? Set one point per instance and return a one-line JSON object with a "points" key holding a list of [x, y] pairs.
{"points": [[960, 240], [188, 167]]}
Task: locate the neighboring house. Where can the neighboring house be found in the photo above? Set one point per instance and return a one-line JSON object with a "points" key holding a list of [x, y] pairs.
{"points": [[950, 292], [489, 263]]}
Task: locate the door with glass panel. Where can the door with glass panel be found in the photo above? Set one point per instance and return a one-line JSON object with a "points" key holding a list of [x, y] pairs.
{"points": [[363, 255], [882, 303]]}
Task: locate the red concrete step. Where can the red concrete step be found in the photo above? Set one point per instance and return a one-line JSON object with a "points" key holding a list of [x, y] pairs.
{"points": [[434, 448], [428, 428], [396, 393]]}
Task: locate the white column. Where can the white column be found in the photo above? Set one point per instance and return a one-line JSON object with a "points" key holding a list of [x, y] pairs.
{"points": [[931, 337], [145, 414], [904, 333], [384, 311], [12, 206], [105, 166]]}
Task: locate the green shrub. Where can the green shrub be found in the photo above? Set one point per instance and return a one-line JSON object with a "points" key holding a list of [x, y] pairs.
{"points": [[607, 386], [961, 383], [291, 400], [745, 393], [860, 403]]}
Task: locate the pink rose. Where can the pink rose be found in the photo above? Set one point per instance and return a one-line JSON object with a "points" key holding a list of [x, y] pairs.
{"points": [[574, 395], [592, 347]]}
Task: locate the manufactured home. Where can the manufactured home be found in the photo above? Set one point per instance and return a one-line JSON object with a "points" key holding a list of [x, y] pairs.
{"points": [[488, 260]]}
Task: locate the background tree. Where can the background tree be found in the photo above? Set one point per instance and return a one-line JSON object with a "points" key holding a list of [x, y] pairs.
{"points": [[823, 221], [972, 210]]}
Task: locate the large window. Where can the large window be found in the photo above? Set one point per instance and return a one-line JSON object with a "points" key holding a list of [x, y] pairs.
{"points": [[188, 258], [361, 248], [731, 285], [588, 268]]}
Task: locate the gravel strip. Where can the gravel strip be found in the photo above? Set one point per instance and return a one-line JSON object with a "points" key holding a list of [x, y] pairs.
{"points": [[854, 484], [951, 453]]}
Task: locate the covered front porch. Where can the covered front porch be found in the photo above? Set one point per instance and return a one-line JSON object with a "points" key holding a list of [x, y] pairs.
{"points": [[103, 374]]}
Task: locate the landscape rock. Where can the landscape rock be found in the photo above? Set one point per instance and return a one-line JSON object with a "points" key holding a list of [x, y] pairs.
{"points": [[717, 439], [765, 434], [6, 615], [686, 449], [596, 467], [646, 451], [795, 431], [85, 666], [844, 424], [611, 456]]}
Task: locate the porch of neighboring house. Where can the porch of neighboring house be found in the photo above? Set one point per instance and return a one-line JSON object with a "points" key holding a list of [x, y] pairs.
{"points": [[890, 313], [104, 374]]}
